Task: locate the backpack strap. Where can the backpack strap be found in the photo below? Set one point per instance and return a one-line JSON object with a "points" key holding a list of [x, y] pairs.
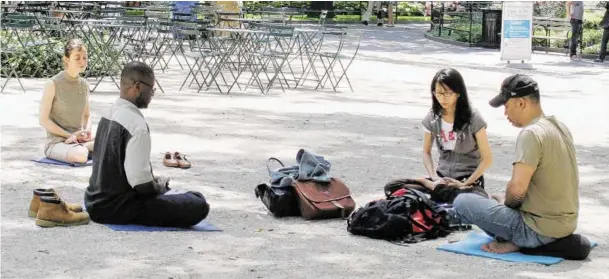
{"points": [[438, 228], [268, 168]]}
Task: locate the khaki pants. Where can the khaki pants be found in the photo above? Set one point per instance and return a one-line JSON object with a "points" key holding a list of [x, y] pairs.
{"points": [[59, 150]]}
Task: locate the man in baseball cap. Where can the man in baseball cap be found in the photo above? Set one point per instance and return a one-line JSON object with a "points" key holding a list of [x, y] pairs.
{"points": [[517, 93], [516, 86], [541, 202]]}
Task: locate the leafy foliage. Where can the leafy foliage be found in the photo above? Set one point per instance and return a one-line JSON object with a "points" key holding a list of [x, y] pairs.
{"points": [[258, 5], [411, 9], [554, 9], [44, 61], [349, 7]]}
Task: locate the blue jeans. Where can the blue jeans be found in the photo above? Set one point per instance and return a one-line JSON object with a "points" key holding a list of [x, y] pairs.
{"points": [[497, 220]]}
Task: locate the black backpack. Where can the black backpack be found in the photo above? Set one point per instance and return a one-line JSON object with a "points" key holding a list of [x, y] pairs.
{"points": [[408, 218], [281, 201]]}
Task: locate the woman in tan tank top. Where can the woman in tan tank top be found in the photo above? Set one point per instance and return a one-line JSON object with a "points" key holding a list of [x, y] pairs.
{"points": [[64, 109]]}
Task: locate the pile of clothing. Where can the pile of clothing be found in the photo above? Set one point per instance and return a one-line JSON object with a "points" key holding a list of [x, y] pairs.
{"points": [[305, 189]]}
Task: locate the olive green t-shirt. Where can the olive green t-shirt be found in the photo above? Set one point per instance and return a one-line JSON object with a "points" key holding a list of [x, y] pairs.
{"points": [[551, 204]]}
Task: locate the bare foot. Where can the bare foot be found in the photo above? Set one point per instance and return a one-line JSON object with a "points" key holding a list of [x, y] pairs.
{"points": [[500, 247], [486, 248]]}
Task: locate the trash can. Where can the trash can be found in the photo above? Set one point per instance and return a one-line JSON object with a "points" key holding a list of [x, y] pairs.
{"points": [[491, 27]]}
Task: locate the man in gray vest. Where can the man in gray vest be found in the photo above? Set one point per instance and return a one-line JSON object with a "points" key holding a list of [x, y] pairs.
{"points": [[605, 25], [575, 10]]}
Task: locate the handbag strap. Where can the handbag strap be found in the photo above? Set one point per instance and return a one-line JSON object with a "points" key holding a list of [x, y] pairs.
{"points": [[268, 168]]}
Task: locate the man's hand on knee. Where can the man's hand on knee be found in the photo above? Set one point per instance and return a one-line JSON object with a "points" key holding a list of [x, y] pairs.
{"points": [[499, 198], [163, 183]]}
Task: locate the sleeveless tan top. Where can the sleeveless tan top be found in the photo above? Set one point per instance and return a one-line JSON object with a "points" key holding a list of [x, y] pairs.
{"points": [[71, 96]]}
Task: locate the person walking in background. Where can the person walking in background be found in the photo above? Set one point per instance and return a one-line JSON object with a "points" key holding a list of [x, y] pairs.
{"points": [[605, 25], [372, 5], [575, 10]]}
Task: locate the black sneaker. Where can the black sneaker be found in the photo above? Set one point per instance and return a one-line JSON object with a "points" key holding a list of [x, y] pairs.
{"points": [[599, 60]]}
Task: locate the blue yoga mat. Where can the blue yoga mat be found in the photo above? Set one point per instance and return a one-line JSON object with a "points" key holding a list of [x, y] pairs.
{"points": [[203, 226], [473, 242], [46, 160], [200, 227]]}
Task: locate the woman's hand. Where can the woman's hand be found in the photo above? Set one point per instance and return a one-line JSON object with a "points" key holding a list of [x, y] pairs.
{"points": [[73, 138], [456, 183], [439, 181], [79, 137], [84, 136], [435, 178]]}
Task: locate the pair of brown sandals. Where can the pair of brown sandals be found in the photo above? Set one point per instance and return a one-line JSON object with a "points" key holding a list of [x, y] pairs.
{"points": [[176, 160]]}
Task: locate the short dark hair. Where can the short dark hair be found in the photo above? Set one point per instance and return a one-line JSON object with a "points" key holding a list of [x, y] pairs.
{"points": [[453, 80], [135, 71], [534, 97], [71, 45]]}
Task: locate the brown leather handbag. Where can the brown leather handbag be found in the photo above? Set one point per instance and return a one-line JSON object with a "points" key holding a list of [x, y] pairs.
{"points": [[324, 200]]}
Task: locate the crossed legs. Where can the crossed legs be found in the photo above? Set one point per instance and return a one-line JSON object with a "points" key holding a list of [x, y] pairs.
{"points": [[505, 224], [69, 153], [172, 210]]}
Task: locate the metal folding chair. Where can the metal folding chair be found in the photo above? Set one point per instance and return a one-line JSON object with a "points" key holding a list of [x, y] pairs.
{"points": [[203, 53], [17, 44], [333, 62], [280, 42]]}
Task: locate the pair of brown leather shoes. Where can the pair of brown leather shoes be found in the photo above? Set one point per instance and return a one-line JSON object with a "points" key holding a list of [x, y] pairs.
{"points": [[176, 160], [50, 211]]}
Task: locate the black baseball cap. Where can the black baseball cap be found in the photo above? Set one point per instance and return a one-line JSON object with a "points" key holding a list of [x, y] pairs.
{"points": [[515, 86]]}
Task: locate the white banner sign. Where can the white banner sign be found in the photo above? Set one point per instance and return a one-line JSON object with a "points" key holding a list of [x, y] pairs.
{"points": [[516, 30]]}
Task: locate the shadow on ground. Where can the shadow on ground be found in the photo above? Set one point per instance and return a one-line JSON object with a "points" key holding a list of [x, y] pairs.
{"points": [[228, 150]]}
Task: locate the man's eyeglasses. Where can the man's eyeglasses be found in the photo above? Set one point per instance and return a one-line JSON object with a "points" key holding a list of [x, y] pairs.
{"points": [[153, 89]]}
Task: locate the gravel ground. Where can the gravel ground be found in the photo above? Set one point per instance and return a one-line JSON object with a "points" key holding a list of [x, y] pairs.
{"points": [[370, 136]]}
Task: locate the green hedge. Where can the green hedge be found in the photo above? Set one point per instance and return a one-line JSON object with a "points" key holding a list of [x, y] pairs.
{"points": [[591, 39], [352, 7], [258, 5], [45, 61], [410, 9], [459, 36]]}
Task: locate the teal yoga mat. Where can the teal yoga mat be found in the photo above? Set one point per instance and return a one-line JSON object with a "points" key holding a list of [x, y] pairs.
{"points": [[474, 240]]}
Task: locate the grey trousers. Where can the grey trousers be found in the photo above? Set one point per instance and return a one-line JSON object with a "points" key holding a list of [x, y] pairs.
{"points": [[604, 44], [576, 32]]}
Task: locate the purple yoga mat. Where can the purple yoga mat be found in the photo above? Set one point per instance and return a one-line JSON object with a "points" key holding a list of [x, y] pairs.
{"points": [[46, 160]]}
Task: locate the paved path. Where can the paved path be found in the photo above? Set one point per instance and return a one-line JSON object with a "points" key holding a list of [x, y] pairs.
{"points": [[370, 136]]}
